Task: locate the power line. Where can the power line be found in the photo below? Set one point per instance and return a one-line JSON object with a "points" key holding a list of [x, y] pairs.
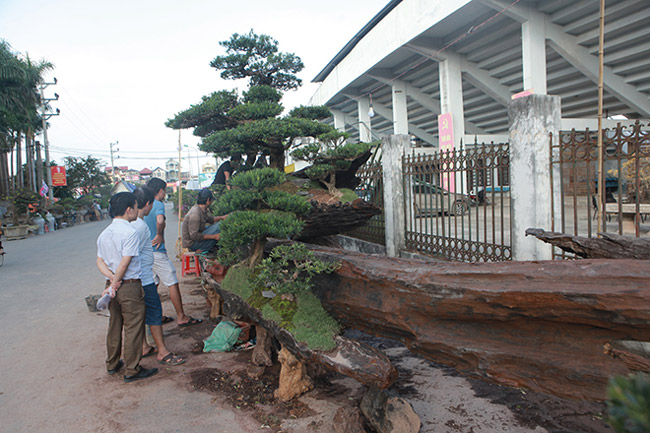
{"points": [[83, 112]]}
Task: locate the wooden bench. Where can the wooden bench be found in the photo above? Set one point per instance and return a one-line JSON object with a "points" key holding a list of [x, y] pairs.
{"points": [[628, 213]]}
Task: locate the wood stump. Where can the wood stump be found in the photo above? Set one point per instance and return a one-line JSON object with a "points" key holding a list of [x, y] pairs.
{"points": [[262, 350], [214, 302], [293, 377]]}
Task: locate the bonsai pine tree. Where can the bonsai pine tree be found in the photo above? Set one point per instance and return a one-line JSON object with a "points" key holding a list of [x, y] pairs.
{"points": [[256, 214], [251, 124], [328, 157]]}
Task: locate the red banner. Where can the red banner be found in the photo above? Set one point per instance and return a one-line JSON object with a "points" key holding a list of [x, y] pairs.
{"points": [[58, 175]]}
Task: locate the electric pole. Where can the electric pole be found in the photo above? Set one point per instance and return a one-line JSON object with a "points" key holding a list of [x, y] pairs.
{"points": [[112, 160], [44, 118]]}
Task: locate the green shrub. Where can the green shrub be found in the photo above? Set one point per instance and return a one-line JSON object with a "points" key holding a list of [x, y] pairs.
{"points": [[628, 404]]}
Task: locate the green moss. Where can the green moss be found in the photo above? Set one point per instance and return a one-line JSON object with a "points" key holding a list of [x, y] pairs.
{"points": [[312, 325], [237, 281], [270, 314], [348, 195], [256, 299]]}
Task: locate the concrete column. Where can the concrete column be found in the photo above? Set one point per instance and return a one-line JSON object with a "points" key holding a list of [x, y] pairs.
{"points": [[400, 109], [533, 46], [363, 106], [393, 148], [532, 119], [339, 120], [451, 94]]}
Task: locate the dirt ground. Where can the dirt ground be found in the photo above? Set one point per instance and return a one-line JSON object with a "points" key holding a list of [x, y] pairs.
{"points": [[444, 400]]}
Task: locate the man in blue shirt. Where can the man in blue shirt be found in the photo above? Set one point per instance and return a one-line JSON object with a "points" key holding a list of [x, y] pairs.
{"points": [[163, 268]]}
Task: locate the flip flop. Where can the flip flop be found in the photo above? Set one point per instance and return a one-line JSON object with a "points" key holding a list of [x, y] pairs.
{"points": [[190, 322], [152, 350], [171, 359], [167, 319]]}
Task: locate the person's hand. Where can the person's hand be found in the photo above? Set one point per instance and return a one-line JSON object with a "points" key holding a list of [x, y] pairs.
{"points": [[156, 241]]}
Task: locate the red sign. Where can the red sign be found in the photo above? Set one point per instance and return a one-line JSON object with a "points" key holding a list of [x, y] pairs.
{"points": [[446, 144], [58, 175]]}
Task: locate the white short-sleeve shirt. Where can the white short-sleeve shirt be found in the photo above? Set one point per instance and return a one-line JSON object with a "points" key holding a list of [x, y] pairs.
{"points": [[146, 251], [120, 239]]}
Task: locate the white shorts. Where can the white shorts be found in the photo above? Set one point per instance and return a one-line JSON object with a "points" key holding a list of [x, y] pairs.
{"points": [[163, 269]]}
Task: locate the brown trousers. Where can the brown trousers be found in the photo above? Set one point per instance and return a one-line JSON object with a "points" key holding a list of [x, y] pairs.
{"points": [[127, 311]]}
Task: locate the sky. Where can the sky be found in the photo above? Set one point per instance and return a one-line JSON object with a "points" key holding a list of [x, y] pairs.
{"points": [[124, 67]]}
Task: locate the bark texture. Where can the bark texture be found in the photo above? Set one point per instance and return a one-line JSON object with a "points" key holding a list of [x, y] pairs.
{"points": [[608, 246], [326, 220], [540, 325], [293, 377]]}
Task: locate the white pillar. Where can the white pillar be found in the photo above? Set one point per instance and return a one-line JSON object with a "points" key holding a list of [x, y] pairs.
{"points": [[533, 46], [400, 109], [532, 119], [451, 94], [393, 148], [363, 106], [339, 120]]}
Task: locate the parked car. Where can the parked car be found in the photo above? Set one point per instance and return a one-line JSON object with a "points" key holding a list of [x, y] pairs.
{"points": [[431, 200]]}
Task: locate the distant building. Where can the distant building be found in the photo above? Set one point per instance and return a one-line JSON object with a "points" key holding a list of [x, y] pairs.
{"points": [[159, 173], [171, 165], [119, 171], [145, 174], [132, 175], [208, 168]]}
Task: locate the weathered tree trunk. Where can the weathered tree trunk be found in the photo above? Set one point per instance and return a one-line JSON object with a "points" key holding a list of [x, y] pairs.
{"points": [[540, 325], [326, 220], [351, 358], [293, 377], [20, 181], [29, 162], [276, 159], [608, 246], [4, 173]]}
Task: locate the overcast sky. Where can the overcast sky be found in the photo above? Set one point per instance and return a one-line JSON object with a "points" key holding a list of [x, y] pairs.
{"points": [[125, 66]]}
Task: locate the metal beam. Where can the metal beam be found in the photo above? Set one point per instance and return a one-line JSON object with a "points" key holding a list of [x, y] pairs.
{"points": [[387, 114], [569, 47]]}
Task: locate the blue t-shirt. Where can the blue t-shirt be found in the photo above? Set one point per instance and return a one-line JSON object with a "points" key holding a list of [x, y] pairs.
{"points": [[157, 209]]}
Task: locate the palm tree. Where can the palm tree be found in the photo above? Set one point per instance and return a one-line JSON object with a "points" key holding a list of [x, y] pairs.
{"points": [[19, 103]]}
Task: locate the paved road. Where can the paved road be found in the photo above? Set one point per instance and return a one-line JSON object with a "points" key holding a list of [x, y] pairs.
{"points": [[52, 374]]}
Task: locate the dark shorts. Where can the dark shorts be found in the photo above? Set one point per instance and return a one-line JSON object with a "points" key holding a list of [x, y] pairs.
{"points": [[153, 305]]}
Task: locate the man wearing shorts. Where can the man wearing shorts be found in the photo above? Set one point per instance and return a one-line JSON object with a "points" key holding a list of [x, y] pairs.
{"points": [[163, 268], [118, 260], [145, 198]]}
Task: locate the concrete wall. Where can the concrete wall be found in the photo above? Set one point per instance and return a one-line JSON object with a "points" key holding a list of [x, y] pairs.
{"points": [[532, 119]]}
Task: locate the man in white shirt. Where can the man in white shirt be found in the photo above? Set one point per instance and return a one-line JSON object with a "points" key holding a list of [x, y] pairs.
{"points": [[153, 317], [118, 260]]}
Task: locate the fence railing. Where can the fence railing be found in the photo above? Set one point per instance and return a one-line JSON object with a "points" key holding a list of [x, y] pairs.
{"points": [[371, 189], [626, 193], [457, 204]]}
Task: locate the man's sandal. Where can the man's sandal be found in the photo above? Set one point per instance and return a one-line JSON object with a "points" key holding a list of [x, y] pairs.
{"points": [[171, 359], [190, 322]]}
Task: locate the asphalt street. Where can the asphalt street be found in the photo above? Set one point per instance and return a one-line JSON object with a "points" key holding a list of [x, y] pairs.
{"points": [[52, 373]]}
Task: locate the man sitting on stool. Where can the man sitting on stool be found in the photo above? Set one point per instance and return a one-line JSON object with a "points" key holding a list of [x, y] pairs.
{"points": [[196, 236]]}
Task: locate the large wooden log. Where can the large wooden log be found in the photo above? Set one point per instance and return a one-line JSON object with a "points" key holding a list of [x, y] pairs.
{"points": [[332, 219], [351, 358], [541, 325], [607, 246]]}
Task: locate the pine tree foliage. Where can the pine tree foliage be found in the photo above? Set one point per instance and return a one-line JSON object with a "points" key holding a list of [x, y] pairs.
{"points": [[251, 124]]}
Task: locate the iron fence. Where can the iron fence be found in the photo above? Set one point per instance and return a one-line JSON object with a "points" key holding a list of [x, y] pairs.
{"points": [[626, 193], [371, 189], [457, 203]]}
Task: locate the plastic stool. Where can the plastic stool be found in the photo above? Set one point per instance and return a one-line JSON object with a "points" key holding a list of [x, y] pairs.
{"points": [[190, 265]]}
